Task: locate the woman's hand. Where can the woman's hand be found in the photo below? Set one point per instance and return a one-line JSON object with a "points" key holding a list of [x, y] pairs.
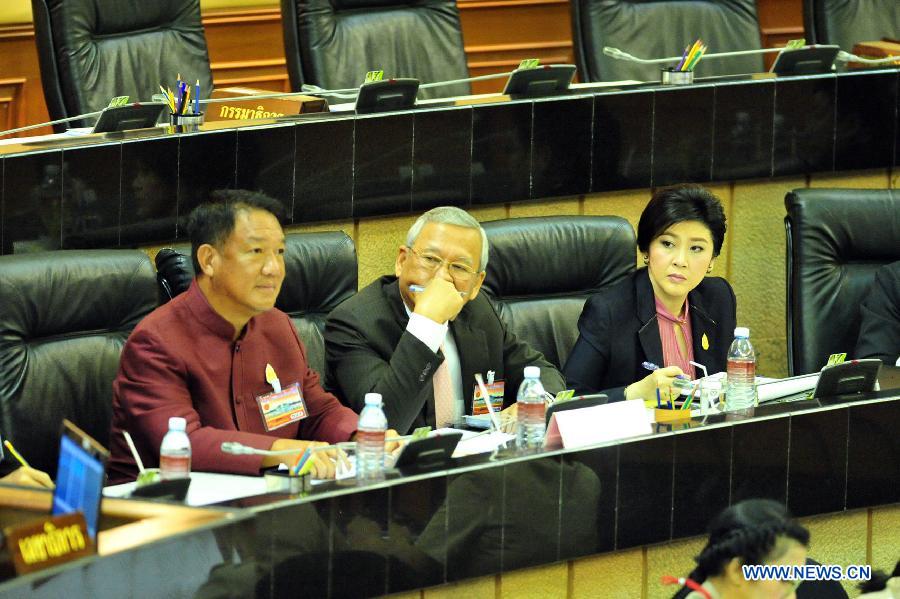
{"points": [[658, 379]]}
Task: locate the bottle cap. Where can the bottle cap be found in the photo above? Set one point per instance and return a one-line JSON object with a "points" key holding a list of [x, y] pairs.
{"points": [[373, 399], [176, 423], [743, 332], [532, 372]]}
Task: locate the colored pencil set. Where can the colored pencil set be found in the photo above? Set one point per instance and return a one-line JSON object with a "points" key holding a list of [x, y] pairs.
{"points": [[692, 55]]}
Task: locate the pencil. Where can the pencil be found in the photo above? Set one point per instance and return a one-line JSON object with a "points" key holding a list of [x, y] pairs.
{"points": [[15, 453]]}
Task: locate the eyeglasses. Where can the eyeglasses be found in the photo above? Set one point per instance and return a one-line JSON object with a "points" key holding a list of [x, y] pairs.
{"points": [[432, 263]]}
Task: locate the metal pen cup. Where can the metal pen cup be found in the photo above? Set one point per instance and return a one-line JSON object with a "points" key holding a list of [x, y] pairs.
{"points": [[190, 121], [670, 76]]}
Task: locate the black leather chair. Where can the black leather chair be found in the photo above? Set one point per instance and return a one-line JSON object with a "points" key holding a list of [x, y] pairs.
{"points": [[847, 22], [541, 270], [657, 29], [93, 50], [836, 240], [64, 317], [321, 272], [333, 43]]}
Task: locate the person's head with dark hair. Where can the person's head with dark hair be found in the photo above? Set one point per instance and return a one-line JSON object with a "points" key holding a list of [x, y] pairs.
{"points": [[680, 233], [752, 532], [237, 248]]}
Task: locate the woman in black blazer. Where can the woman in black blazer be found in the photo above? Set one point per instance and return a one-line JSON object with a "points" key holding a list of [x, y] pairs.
{"points": [[667, 313]]}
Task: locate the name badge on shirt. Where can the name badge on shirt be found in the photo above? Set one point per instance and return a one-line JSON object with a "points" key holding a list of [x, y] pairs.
{"points": [[282, 408], [495, 391]]}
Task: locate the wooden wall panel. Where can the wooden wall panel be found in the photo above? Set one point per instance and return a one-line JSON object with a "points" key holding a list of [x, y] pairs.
{"points": [[246, 47], [12, 105], [19, 62], [499, 34]]}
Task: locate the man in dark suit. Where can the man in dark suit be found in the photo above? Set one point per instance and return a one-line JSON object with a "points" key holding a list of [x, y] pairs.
{"points": [[879, 332], [418, 338]]}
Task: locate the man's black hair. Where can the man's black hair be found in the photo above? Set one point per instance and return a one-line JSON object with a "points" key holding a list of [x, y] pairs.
{"points": [[678, 204], [213, 221]]}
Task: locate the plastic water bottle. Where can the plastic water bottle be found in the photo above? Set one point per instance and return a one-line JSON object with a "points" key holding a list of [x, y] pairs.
{"points": [[740, 395], [531, 410], [175, 451], [370, 440]]}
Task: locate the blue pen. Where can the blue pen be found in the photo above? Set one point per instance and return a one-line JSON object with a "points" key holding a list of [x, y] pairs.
{"points": [[651, 367], [658, 400], [197, 98]]}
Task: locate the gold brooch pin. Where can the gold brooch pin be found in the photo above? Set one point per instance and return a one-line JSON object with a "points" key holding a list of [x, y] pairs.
{"points": [[704, 342]]}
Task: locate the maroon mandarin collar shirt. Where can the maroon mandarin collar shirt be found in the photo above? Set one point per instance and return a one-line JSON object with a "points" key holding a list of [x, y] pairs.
{"points": [[181, 360]]}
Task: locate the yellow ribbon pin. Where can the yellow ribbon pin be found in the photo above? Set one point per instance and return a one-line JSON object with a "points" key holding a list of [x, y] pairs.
{"points": [[272, 378], [704, 342]]}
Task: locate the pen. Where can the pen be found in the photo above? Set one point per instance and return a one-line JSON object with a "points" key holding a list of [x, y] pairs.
{"points": [[15, 453], [301, 461], [420, 289], [686, 405], [651, 367], [683, 57], [197, 97], [658, 400]]}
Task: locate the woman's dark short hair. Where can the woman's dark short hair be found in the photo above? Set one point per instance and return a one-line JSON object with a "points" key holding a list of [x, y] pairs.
{"points": [[749, 531], [213, 221], [678, 204]]}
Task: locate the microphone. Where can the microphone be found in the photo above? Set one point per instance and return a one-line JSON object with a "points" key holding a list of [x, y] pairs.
{"points": [[235, 448], [622, 55], [841, 56]]}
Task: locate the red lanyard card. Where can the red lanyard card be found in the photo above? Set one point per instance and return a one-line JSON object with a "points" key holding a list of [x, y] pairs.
{"points": [[282, 408], [495, 391]]}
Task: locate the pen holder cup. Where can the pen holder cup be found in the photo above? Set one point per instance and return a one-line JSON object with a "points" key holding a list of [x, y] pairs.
{"points": [[185, 122], [665, 415], [670, 76], [281, 481]]}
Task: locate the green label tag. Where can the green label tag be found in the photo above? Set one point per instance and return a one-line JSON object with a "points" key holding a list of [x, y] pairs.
{"points": [[564, 396], [835, 359], [374, 76], [529, 63], [118, 101], [421, 432], [794, 44]]}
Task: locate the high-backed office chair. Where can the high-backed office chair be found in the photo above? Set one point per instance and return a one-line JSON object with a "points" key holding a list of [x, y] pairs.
{"points": [[333, 43], [657, 29], [836, 240], [64, 319], [847, 22], [93, 50], [321, 272], [541, 270]]}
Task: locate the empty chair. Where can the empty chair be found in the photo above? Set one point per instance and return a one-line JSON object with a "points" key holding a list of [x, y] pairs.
{"points": [[321, 272], [65, 317], [333, 43], [541, 270], [836, 240], [93, 50], [847, 22], [658, 29]]}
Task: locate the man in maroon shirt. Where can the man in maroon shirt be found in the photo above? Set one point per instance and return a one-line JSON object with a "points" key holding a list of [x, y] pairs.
{"points": [[204, 356]]}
